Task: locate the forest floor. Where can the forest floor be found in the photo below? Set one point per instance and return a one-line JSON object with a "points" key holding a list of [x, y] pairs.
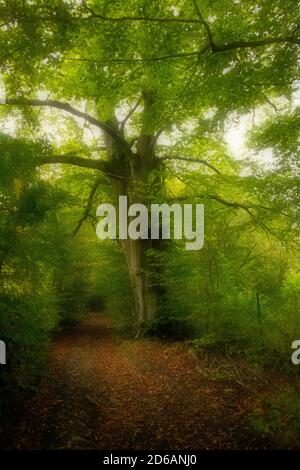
{"points": [[103, 392]]}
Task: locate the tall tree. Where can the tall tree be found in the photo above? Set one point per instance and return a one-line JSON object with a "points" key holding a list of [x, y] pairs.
{"points": [[158, 79]]}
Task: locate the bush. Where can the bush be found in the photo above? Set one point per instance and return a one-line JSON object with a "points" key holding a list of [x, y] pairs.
{"points": [[26, 323], [278, 419], [168, 327], [72, 301]]}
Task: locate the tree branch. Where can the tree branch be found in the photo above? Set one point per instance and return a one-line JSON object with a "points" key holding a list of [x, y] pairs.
{"points": [[192, 160], [154, 19], [147, 19], [137, 60], [88, 206], [206, 26], [128, 116], [68, 159], [256, 43], [213, 47], [235, 205], [74, 160], [70, 109], [240, 44]]}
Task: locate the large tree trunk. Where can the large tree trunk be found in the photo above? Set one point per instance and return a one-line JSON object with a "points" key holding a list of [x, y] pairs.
{"points": [[145, 294], [135, 170], [142, 273]]}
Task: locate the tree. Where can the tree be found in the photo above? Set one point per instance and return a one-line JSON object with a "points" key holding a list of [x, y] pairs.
{"points": [[149, 74]]}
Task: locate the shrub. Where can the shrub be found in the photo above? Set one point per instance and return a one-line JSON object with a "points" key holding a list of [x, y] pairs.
{"points": [[278, 419]]}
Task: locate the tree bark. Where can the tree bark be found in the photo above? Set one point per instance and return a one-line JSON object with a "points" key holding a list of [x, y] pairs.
{"points": [[144, 293], [142, 274]]}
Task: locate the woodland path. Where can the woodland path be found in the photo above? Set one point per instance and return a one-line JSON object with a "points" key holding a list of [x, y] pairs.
{"points": [[106, 393]]}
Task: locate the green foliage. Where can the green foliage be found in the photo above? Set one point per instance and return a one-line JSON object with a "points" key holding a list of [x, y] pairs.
{"points": [[185, 72], [38, 289], [18, 159], [240, 292], [26, 321], [110, 285], [279, 420]]}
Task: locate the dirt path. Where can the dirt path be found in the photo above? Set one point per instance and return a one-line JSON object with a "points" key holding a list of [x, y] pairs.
{"points": [[104, 393]]}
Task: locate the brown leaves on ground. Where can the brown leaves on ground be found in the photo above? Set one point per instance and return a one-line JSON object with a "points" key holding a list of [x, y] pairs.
{"points": [[108, 394]]}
